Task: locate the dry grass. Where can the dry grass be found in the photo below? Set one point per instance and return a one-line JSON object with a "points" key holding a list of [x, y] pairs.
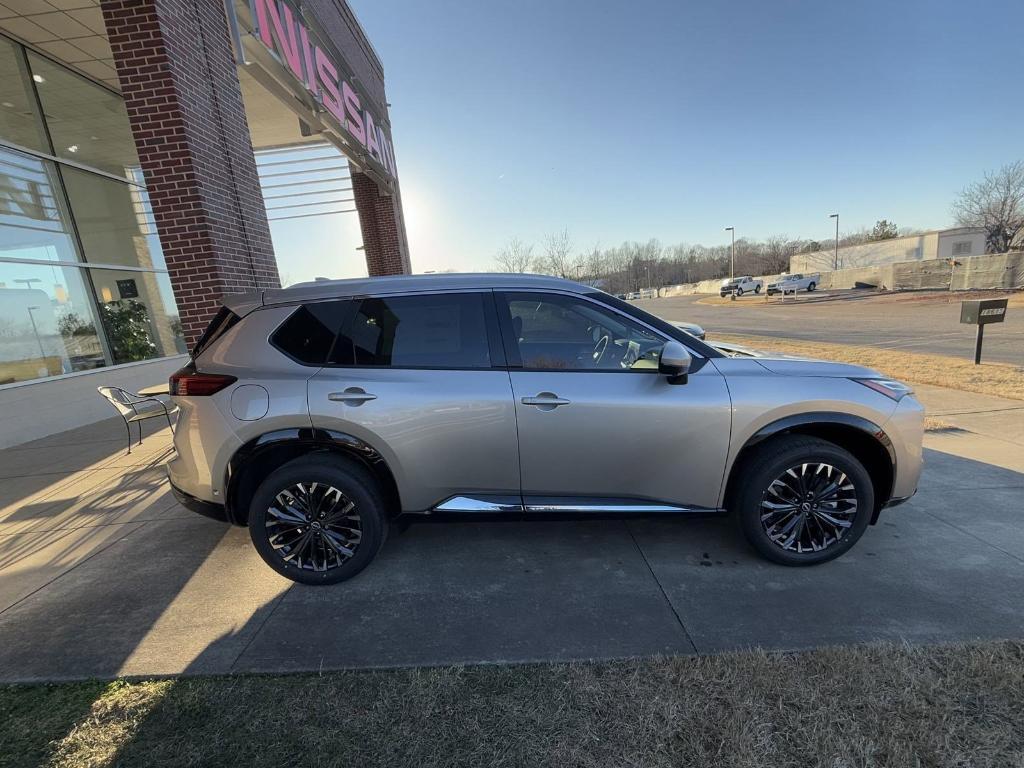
{"points": [[998, 379], [870, 706]]}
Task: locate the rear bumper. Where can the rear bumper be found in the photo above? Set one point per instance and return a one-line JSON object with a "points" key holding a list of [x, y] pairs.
{"points": [[199, 506]]}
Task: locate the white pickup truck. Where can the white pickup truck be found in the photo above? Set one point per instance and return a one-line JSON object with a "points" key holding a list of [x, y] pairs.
{"points": [[793, 283], [739, 285]]}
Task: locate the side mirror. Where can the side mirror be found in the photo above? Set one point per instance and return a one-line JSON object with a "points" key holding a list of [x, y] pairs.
{"points": [[674, 361]]}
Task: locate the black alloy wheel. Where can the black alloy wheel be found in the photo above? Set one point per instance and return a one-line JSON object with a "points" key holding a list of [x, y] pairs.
{"points": [[318, 519], [314, 527], [809, 507], [802, 500]]}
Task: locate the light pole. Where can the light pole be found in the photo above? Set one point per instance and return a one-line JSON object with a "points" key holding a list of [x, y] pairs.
{"points": [[835, 263], [35, 332], [732, 260], [27, 281]]}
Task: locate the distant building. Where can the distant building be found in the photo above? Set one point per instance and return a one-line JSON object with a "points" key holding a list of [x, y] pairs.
{"points": [[939, 244]]}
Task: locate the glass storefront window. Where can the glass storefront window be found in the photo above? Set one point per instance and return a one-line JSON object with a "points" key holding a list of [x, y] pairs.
{"points": [[60, 312], [114, 221], [34, 222], [47, 323], [87, 123], [19, 115], [140, 320]]}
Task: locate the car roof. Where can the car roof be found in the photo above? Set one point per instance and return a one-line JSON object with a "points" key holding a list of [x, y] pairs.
{"points": [[396, 284]]}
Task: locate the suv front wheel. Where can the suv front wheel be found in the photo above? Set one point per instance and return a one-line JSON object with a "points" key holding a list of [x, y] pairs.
{"points": [[803, 501], [318, 520]]}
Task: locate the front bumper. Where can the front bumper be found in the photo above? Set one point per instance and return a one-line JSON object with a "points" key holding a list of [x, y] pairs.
{"points": [[905, 429], [895, 501], [206, 508]]}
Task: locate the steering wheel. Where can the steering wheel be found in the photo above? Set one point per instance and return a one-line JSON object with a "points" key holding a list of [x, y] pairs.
{"points": [[600, 348]]}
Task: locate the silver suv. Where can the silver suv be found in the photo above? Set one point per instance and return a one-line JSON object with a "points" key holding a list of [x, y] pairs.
{"points": [[318, 414]]}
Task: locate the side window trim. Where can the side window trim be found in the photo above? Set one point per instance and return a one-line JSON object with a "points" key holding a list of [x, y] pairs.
{"points": [[512, 352], [495, 338], [352, 306], [512, 357]]}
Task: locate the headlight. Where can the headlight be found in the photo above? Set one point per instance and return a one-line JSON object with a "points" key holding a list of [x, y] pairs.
{"points": [[894, 390]]}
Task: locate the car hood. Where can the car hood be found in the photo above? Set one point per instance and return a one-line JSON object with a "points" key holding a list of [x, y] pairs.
{"points": [[805, 366]]}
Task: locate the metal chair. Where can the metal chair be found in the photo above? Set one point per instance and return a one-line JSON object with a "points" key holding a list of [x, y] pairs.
{"points": [[136, 408]]}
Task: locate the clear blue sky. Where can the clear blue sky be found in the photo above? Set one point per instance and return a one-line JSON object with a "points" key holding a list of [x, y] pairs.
{"points": [[630, 120]]}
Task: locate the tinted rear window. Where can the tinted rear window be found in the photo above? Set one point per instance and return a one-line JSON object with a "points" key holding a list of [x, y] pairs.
{"points": [[444, 330], [219, 325], [308, 333]]}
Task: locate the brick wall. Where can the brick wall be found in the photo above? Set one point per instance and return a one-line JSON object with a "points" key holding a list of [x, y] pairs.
{"points": [[380, 219], [180, 84]]}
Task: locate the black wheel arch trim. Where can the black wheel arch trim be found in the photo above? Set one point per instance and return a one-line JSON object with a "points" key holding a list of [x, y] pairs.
{"points": [[828, 418], [312, 438], [788, 423]]}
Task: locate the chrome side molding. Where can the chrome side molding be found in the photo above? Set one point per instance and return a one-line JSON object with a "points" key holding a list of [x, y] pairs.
{"points": [[559, 505], [481, 504], [570, 506]]}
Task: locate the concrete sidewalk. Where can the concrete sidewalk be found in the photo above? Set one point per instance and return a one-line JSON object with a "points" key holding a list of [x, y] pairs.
{"points": [[985, 428], [103, 574]]}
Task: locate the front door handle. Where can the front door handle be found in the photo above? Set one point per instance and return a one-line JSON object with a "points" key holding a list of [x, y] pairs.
{"points": [[351, 396], [546, 401]]}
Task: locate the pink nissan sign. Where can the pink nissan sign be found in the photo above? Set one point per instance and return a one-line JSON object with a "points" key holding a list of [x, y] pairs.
{"points": [[285, 34]]}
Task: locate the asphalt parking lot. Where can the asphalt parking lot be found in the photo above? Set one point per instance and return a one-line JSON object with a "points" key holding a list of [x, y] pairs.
{"points": [[916, 322], [102, 574]]}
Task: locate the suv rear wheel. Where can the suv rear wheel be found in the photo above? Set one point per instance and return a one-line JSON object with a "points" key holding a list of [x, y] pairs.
{"points": [[318, 520], [803, 501]]}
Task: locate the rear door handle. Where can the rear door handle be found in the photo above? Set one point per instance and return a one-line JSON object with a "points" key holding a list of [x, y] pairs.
{"points": [[351, 396], [546, 401]]}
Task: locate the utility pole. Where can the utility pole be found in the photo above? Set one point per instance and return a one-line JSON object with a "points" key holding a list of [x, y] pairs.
{"points": [[732, 260], [835, 262]]}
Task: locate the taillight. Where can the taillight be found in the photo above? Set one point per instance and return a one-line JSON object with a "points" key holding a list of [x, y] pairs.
{"points": [[189, 381]]}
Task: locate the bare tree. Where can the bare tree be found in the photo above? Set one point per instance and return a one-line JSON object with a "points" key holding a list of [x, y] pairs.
{"points": [[775, 255], [997, 204], [558, 259], [516, 256]]}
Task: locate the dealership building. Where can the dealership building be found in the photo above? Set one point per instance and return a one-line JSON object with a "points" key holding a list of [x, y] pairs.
{"points": [[145, 148]]}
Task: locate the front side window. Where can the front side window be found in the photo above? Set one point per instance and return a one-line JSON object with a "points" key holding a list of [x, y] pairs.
{"points": [[446, 330], [556, 332]]}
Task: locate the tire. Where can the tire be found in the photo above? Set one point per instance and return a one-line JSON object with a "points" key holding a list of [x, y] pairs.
{"points": [[739, 292], [811, 287], [766, 481], [757, 289], [359, 530]]}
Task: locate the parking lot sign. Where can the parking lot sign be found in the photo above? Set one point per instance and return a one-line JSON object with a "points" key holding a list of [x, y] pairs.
{"points": [[982, 312]]}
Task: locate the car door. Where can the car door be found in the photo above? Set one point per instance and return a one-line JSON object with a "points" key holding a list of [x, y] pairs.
{"points": [[598, 425], [412, 376]]}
